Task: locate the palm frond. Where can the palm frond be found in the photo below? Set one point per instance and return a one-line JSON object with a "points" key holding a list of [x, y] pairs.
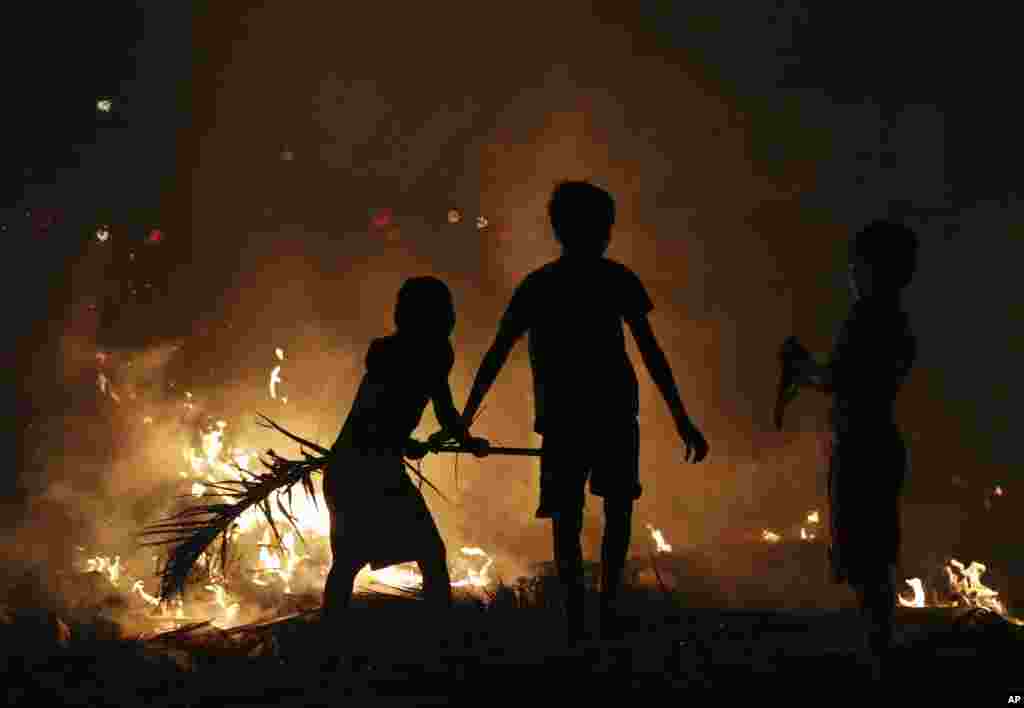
{"points": [[194, 530]]}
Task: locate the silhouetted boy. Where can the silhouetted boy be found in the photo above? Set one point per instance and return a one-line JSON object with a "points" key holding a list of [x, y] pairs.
{"points": [[378, 517], [873, 354], [585, 389]]}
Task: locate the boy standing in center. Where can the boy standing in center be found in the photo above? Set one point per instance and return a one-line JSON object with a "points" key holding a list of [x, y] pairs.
{"points": [[585, 389]]}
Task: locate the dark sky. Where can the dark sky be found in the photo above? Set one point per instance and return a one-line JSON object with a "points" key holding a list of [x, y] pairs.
{"points": [[743, 141]]}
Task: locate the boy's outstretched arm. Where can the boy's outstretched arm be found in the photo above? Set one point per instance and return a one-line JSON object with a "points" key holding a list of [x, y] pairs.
{"points": [[656, 363], [493, 361]]}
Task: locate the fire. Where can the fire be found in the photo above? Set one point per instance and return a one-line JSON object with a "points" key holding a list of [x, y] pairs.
{"points": [[659, 540], [407, 577], [770, 536], [966, 587], [918, 587], [103, 564], [275, 379]]}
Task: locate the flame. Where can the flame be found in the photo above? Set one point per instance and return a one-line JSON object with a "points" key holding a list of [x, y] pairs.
{"points": [[918, 599], [275, 379], [103, 564], [407, 576], [279, 352], [229, 610], [659, 540], [104, 105], [770, 536], [964, 582], [139, 588], [812, 517]]}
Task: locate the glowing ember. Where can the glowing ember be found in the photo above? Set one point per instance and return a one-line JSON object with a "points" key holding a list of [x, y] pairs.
{"points": [[659, 540], [918, 600], [275, 379], [770, 536]]}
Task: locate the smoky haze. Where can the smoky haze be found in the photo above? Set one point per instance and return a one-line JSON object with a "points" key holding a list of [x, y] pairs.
{"points": [[463, 115], [732, 208]]}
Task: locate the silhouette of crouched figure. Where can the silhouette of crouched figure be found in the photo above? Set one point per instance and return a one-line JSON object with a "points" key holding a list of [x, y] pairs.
{"points": [[378, 517]]}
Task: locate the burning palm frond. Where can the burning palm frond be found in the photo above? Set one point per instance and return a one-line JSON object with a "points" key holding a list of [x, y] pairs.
{"points": [[194, 530]]}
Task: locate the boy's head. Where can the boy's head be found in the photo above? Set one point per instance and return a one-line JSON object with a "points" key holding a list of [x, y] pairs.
{"points": [[582, 216], [425, 307], [883, 258]]}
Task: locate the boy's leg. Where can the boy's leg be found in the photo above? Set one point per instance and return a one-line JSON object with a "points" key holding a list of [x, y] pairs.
{"points": [[437, 583], [340, 582], [618, 528], [567, 525]]}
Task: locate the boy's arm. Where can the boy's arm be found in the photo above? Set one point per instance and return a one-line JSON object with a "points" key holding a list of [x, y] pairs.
{"points": [[492, 363], [811, 373], [447, 415], [514, 324], [656, 363]]}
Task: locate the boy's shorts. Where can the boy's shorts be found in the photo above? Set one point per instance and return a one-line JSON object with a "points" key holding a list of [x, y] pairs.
{"points": [[570, 456]]}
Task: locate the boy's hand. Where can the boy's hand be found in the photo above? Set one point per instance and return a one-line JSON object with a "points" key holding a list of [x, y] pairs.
{"points": [[696, 446], [793, 350], [480, 447], [438, 439], [416, 449]]}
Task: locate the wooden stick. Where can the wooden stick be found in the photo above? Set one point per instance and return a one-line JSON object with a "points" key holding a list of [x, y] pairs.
{"points": [[522, 451]]}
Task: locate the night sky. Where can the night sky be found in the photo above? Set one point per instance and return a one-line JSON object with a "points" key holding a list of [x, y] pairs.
{"points": [[743, 144]]}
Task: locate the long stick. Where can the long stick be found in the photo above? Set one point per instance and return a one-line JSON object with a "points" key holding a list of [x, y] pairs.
{"points": [[522, 451]]}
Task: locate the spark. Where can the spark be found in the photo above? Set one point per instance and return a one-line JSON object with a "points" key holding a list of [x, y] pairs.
{"points": [[104, 105], [275, 379], [102, 234], [280, 353], [482, 222]]}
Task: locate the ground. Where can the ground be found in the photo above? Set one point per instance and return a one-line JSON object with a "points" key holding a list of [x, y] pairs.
{"points": [[402, 650]]}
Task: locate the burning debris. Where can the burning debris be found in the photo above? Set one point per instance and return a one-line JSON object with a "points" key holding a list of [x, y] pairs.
{"points": [[965, 589]]}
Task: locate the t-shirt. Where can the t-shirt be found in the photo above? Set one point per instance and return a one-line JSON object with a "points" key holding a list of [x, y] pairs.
{"points": [[573, 311], [402, 373], [874, 352]]}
